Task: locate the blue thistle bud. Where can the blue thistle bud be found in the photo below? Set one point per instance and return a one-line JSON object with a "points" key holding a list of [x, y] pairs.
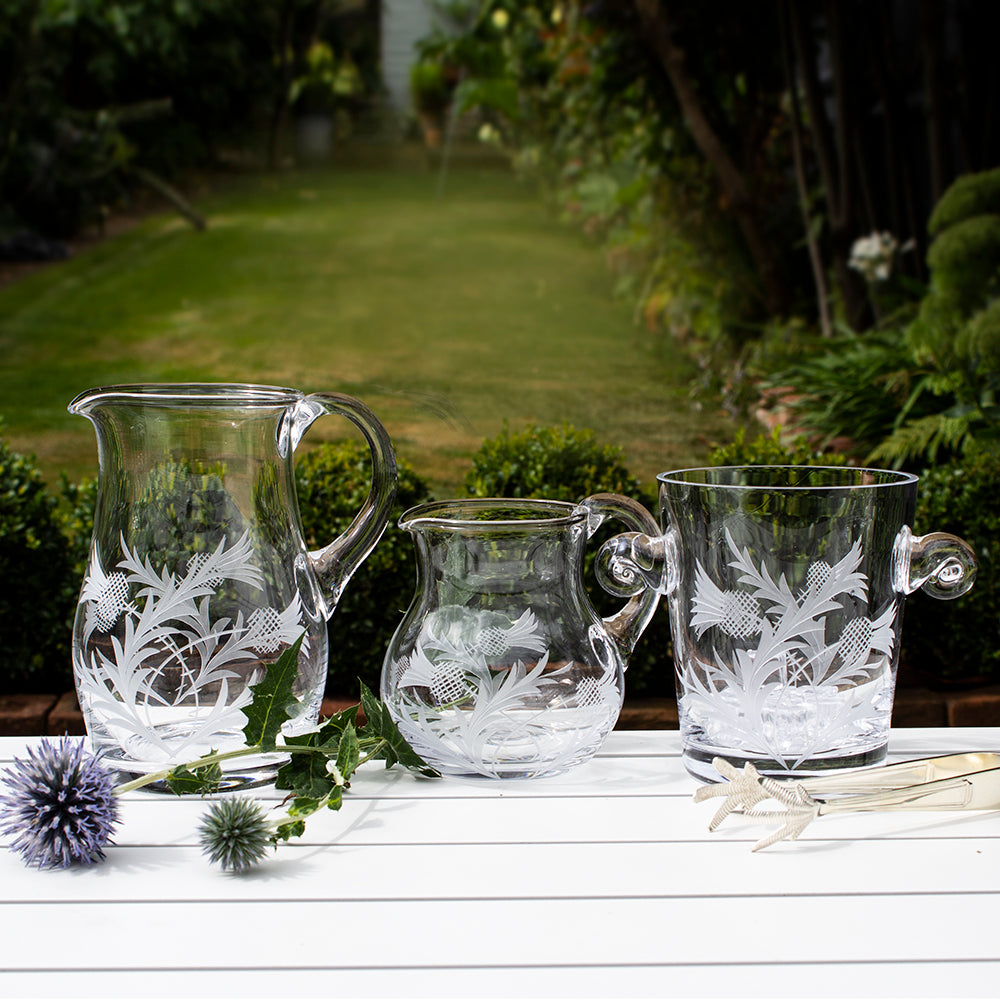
{"points": [[235, 834], [60, 805]]}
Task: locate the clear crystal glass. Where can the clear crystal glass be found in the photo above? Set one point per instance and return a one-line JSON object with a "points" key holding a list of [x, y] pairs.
{"points": [[198, 575], [786, 588], [501, 668]]}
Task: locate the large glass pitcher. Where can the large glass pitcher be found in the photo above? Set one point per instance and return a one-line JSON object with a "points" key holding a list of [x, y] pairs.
{"points": [[501, 667], [198, 575]]}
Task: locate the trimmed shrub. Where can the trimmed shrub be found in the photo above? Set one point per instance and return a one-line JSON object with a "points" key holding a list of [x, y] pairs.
{"points": [[37, 596], [563, 463], [949, 641], [557, 463], [771, 450], [332, 482]]}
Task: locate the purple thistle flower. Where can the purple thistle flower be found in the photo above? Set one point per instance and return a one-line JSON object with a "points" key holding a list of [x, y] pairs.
{"points": [[60, 805]]}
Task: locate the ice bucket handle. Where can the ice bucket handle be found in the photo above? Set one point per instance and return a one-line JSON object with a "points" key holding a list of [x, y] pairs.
{"points": [[942, 565]]}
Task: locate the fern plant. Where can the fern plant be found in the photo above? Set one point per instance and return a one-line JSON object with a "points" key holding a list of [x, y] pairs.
{"points": [[955, 336]]}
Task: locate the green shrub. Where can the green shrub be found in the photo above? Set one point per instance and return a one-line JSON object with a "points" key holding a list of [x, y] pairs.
{"points": [[969, 196], [558, 463], [37, 598], [771, 450], [563, 463], [955, 336], [332, 483], [960, 639]]}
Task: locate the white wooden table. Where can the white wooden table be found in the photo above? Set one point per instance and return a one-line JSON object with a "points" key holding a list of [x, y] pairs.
{"points": [[604, 882]]}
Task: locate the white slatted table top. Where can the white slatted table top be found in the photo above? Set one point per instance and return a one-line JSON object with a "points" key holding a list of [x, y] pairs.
{"points": [[602, 882]]}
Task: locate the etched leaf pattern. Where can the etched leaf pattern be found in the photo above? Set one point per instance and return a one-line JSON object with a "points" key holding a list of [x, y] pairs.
{"points": [[463, 715], [781, 652], [170, 653]]}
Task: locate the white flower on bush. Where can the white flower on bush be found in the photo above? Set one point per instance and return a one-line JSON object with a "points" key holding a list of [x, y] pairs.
{"points": [[489, 134], [873, 255]]}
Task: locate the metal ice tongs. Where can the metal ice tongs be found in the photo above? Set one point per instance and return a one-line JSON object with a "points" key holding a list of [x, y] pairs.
{"points": [[957, 781]]}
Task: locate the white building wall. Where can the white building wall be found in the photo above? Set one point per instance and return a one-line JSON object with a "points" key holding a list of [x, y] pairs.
{"points": [[403, 22]]}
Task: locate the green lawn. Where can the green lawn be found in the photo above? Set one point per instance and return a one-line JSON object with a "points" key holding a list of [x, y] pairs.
{"points": [[448, 316]]}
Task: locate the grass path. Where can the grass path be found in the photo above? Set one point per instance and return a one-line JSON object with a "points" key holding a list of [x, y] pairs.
{"points": [[447, 316]]}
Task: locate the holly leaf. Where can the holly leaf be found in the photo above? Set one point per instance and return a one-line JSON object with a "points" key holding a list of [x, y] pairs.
{"points": [[395, 749], [272, 698]]}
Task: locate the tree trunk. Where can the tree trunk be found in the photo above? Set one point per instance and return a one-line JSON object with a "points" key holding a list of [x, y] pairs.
{"points": [[286, 68], [931, 28], [833, 143], [655, 21], [801, 183]]}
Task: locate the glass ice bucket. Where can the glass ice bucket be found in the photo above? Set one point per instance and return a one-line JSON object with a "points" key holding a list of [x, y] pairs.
{"points": [[198, 575], [785, 588], [501, 667]]}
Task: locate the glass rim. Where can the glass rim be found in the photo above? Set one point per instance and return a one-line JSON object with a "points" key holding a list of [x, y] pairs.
{"points": [[551, 513], [199, 393], [891, 477]]}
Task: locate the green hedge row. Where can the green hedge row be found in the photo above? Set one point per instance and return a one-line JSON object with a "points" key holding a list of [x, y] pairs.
{"points": [[45, 538]]}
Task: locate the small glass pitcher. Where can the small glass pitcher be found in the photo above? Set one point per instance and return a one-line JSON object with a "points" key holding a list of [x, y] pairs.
{"points": [[501, 667], [198, 575]]}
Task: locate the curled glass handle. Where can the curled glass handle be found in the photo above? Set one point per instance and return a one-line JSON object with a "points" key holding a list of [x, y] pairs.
{"points": [[629, 563], [630, 622], [940, 564], [336, 562]]}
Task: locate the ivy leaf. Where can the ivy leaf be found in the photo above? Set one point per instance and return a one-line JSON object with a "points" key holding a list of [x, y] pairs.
{"points": [[395, 748], [337, 724], [305, 775], [272, 698], [189, 779], [285, 831]]}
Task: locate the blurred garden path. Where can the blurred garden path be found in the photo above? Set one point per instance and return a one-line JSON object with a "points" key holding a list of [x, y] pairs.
{"points": [[449, 315]]}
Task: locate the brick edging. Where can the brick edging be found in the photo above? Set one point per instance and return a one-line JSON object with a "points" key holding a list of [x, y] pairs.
{"points": [[918, 708]]}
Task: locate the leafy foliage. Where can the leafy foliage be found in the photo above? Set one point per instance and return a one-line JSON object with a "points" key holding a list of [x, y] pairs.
{"points": [[558, 463], [923, 386], [272, 698], [332, 482], [235, 833], [853, 387], [95, 94], [564, 463], [772, 450], [37, 596], [956, 333], [959, 639], [970, 196]]}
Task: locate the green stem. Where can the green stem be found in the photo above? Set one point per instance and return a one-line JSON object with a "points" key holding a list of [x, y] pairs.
{"points": [[219, 758], [206, 761]]}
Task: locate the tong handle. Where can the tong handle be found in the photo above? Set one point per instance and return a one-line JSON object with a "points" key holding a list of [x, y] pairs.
{"points": [[974, 790], [904, 775]]}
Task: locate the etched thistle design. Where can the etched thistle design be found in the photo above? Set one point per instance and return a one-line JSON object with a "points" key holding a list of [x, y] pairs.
{"points": [[790, 671], [157, 669], [477, 693]]}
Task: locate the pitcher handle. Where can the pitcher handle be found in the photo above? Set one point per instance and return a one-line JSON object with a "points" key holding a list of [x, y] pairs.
{"points": [[942, 565], [626, 625], [334, 564]]}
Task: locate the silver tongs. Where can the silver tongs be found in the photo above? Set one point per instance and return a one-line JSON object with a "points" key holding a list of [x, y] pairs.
{"points": [[959, 781]]}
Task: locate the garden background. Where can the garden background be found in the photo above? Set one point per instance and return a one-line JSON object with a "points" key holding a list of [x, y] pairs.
{"points": [[594, 241]]}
